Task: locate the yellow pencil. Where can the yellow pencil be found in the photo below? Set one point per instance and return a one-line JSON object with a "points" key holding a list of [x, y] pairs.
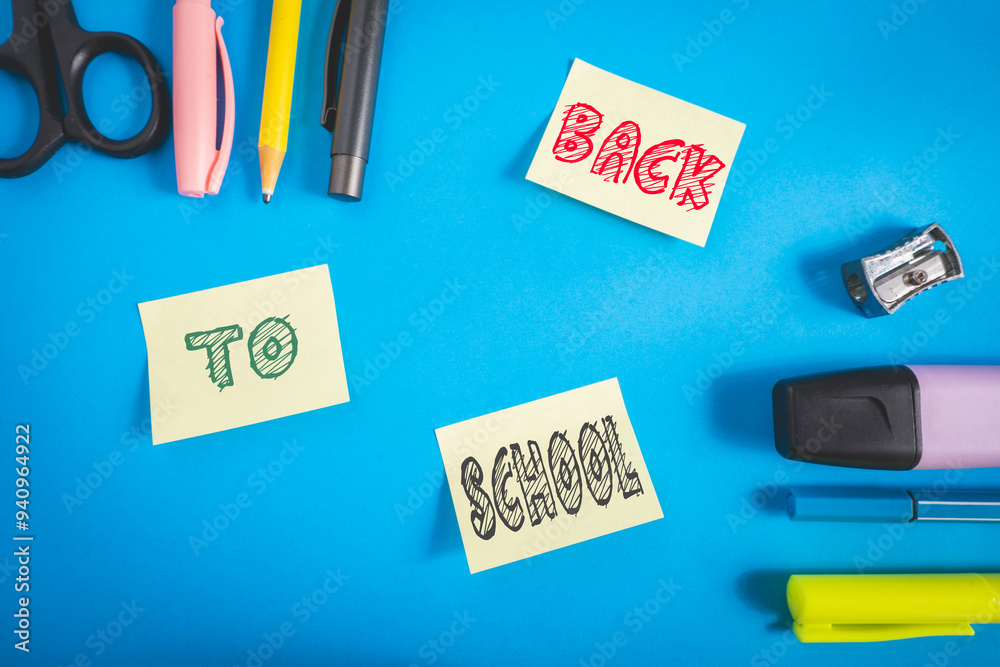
{"points": [[278, 81]]}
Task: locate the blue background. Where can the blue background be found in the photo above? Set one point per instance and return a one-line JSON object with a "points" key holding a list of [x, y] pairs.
{"points": [[573, 297]]}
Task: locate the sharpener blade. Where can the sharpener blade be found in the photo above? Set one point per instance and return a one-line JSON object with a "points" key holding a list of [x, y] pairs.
{"points": [[881, 283]]}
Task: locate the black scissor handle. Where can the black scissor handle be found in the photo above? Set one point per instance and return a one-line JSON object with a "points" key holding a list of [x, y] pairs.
{"points": [[58, 47], [75, 51], [23, 55]]}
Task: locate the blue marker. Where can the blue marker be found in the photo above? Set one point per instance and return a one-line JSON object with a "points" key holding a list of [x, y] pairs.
{"points": [[890, 506]]}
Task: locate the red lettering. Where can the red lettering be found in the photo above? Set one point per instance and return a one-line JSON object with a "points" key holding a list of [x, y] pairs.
{"points": [[692, 183], [648, 181], [617, 153], [618, 158], [580, 123]]}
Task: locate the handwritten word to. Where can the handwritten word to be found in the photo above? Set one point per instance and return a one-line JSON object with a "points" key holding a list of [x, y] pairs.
{"points": [[638, 153], [619, 151], [298, 351], [272, 346], [516, 496]]}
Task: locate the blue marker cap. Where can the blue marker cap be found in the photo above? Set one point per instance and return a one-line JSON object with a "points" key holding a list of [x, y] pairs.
{"points": [[850, 504]]}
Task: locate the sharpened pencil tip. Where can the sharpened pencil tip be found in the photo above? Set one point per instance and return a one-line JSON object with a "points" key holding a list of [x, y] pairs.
{"points": [[267, 198]]}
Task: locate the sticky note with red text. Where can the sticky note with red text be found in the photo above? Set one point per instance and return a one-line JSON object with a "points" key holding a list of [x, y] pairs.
{"points": [[636, 152]]}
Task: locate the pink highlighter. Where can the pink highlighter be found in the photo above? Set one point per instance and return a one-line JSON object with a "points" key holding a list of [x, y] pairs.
{"points": [[201, 156], [891, 417]]}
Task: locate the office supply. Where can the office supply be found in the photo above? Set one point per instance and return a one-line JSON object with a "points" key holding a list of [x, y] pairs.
{"points": [[243, 354], [349, 90], [879, 284], [201, 148], [891, 417], [278, 79], [546, 474], [891, 505], [57, 49], [636, 152], [882, 607]]}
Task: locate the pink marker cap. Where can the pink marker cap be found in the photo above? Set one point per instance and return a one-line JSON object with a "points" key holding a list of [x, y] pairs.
{"points": [[197, 41]]}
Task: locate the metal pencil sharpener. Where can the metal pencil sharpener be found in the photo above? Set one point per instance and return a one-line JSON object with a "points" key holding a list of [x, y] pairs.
{"points": [[881, 283]]}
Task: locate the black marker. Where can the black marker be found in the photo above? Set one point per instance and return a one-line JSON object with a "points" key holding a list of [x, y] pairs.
{"points": [[348, 109]]}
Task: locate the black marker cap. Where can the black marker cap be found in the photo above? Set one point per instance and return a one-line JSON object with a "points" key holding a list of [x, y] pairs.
{"points": [[864, 418]]}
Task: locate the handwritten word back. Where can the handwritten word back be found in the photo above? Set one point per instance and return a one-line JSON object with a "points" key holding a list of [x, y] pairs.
{"points": [[637, 153], [585, 478], [619, 151]]}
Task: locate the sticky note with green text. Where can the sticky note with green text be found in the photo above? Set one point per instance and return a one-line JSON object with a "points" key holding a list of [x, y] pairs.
{"points": [[243, 354]]}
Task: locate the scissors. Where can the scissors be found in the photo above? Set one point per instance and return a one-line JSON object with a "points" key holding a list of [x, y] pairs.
{"points": [[47, 44]]}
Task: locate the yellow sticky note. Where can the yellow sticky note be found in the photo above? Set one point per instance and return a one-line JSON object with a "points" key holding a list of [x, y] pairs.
{"points": [[636, 152], [546, 474], [243, 354]]}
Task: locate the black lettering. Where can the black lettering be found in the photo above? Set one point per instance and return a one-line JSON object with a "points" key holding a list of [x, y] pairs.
{"points": [[534, 482], [596, 464], [628, 479], [510, 511], [482, 516], [565, 472]]}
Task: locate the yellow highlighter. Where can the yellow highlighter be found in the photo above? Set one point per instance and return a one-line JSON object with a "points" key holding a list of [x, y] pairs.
{"points": [[278, 79], [880, 607]]}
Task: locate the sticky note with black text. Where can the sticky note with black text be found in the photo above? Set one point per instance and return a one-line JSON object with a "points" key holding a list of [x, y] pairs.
{"points": [[546, 474]]}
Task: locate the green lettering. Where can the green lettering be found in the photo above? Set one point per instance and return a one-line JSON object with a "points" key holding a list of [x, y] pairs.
{"points": [[217, 343], [273, 346]]}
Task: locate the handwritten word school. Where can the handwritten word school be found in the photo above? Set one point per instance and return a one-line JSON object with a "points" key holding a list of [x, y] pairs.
{"points": [[600, 452]]}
